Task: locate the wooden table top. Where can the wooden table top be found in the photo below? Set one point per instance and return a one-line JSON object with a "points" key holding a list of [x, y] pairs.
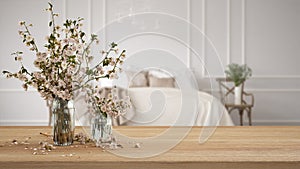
{"points": [[228, 147]]}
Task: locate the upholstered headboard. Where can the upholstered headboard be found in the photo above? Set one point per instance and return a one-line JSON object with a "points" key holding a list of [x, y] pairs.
{"points": [[151, 78]]}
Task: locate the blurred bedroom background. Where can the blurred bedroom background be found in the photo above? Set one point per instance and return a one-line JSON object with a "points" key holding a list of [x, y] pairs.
{"points": [[264, 34]]}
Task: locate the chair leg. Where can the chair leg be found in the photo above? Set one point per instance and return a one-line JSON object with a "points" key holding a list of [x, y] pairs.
{"points": [[241, 111], [249, 117]]}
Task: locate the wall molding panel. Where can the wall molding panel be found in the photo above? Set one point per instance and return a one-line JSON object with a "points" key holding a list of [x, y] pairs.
{"points": [[189, 33], [243, 31], [203, 39], [228, 31]]}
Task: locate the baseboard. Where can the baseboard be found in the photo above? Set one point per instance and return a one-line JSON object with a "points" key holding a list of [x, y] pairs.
{"points": [[23, 123], [28, 123], [254, 123], [275, 123]]}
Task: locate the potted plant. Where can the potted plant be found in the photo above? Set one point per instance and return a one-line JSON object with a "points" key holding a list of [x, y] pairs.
{"points": [[238, 74]]}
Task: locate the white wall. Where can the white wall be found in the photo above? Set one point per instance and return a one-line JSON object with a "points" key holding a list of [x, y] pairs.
{"points": [[261, 33]]}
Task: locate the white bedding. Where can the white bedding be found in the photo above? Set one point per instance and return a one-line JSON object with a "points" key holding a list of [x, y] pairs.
{"points": [[169, 107]]}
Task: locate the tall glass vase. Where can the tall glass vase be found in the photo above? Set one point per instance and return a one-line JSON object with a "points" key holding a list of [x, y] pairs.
{"points": [[63, 122], [101, 128]]}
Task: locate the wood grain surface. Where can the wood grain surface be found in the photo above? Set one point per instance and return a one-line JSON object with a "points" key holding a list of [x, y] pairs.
{"points": [[228, 147]]}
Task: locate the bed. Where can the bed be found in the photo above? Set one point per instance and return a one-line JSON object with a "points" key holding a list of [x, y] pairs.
{"points": [[157, 106], [158, 101]]}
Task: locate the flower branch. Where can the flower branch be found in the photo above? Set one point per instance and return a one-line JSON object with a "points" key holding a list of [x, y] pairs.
{"points": [[65, 65]]}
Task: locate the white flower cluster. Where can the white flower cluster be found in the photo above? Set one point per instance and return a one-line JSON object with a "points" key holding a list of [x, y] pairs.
{"points": [[108, 106], [65, 66]]}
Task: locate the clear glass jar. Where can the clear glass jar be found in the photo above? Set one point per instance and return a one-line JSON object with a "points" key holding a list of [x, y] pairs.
{"points": [[101, 128], [63, 122]]}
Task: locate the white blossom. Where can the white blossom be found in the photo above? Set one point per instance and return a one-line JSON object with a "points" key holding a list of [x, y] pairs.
{"points": [[66, 41], [23, 77], [62, 67], [19, 58], [29, 38]]}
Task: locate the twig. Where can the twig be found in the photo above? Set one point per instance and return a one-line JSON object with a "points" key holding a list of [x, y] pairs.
{"points": [[45, 134]]}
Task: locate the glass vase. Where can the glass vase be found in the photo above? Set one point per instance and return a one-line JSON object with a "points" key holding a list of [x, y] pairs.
{"points": [[101, 128], [63, 122]]}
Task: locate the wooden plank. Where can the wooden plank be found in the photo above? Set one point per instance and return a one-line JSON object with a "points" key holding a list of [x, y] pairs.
{"points": [[228, 147]]}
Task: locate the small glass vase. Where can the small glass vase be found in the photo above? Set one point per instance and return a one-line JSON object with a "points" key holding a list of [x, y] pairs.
{"points": [[63, 122], [101, 128]]}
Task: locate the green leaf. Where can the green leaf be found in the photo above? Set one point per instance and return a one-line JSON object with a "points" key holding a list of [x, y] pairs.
{"points": [[50, 23], [72, 57], [89, 71], [93, 36], [238, 73], [113, 44], [17, 53], [80, 19], [5, 72], [82, 34], [105, 62], [24, 70], [50, 4]]}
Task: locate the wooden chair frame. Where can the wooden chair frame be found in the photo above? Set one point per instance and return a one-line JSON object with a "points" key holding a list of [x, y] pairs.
{"points": [[223, 84]]}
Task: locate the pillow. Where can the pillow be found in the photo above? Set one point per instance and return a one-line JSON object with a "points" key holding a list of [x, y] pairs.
{"points": [[137, 79], [161, 82]]}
